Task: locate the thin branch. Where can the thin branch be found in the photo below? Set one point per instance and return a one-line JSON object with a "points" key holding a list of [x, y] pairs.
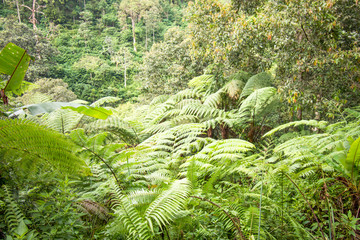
{"points": [[103, 160], [22, 5], [227, 214]]}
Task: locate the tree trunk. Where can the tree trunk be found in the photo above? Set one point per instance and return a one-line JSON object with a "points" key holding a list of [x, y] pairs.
{"points": [[33, 17], [153, 35], [125, 72], [224, 131], [18, 10], [133, 30], [146, 37], [299, 113], [210, 132]]}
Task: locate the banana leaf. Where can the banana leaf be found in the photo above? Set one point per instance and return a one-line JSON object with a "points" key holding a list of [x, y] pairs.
{"points": [[95, 112], [14, 61]]}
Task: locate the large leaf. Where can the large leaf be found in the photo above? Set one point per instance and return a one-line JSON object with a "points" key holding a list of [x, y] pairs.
{"points": [[257, 102], [352, 159], [47, 107], [95, 112], [312, 123], [14, 61], [256, 82], [29, 146]]}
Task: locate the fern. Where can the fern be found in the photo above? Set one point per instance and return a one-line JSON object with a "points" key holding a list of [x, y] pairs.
{"points": [[166, 206], [104, 100], [233, 89], [159, 99], [15, 219], [114, 124], [257, 102], [128, 216], [13, 214], [161, 209], [36, 145], [202, 84], [256, 82], [312, 123], [62, 120]]}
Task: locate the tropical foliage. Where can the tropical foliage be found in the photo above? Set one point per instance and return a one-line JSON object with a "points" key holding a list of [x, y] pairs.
{"points": [[240, 121]]}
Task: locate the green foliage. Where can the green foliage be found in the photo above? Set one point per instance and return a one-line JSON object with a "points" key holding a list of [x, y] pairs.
{"points": [[48, 89], [26, 141], [164, 209], [14, 61], [196, 163], [95, 112]]}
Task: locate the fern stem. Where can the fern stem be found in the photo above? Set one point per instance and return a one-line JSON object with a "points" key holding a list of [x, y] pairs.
{"points": [[107, 165], [307, 201], [261, 192], [227, 214], [329, 206]]}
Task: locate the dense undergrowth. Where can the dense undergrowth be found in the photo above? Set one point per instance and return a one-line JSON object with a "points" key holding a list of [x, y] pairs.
{"points": [[193, 165], [202, 119]]}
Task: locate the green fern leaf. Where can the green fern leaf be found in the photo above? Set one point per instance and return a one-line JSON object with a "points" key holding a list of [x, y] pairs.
{"points": [[35, 144], [256, 82], [165, 207]]}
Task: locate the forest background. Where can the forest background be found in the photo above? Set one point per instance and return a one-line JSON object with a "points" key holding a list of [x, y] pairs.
{"points": [[184, 80]]}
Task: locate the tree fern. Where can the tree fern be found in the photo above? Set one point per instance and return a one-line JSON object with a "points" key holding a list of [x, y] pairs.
{"points": [[104, 100], [256, 102], [256, 82], [35, 144], [312, 123], [161, 209], [166, 206], [62, 120]]}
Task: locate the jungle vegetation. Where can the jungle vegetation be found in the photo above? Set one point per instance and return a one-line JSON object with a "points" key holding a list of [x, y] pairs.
{"points": [[156, 119]]}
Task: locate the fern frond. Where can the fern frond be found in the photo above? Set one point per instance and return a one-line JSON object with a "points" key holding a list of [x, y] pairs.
{"points": [[156, 115], [13, 215], [185, 94], [312, 123], [256, 82], [202, 83], [200, 111], [94, 209], [116, 125], [159, 99], [157, 128], [214, 100], [127, 215], [186, 102], [184, 119], [256, 102], [165, 207], [35, 98], [233, 89], [34, 143], [142, 196], [62, 120], [104, 100]]}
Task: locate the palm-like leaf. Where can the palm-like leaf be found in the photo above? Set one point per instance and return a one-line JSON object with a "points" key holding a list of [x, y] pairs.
{"points": [[166, 206], [38, 145], [256, 82]]}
